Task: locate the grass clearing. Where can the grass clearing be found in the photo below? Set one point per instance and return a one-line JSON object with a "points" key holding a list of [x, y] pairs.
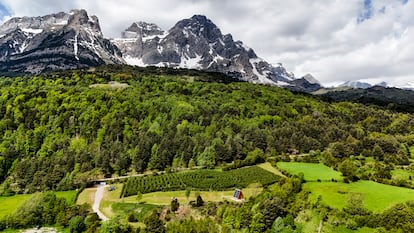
{"points": [[311, 171], [164, 198], [86, 196], [70, 196], [401, 174], [109, 198], [112, 205], [377, 197], [140, 210], [270, 168], [9, 205], [309, 221]]}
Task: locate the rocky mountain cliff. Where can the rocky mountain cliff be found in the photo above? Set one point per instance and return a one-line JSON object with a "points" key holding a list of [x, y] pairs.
{"points": [[75, 40], [197, 43], [56, 41]]}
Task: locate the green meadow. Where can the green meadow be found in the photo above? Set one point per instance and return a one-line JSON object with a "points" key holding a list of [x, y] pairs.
{"points": [[10, 204], [311, 171], [376, 197]]}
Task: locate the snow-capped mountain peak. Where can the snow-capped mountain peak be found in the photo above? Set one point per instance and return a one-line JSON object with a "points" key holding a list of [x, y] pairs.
{"points": [[74, 40], [356, 84], [198, 43], [56, 41]]}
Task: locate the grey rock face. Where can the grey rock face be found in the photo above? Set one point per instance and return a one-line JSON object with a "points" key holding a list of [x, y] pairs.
{"points": [[198, 43], [57, 41], [74, 40]]}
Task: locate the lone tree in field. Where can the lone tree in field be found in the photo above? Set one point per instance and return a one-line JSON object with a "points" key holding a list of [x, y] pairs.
{"points": [[199, 201]]}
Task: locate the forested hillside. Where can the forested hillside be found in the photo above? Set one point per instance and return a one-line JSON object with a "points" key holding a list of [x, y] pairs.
{"points": [[59, 130], [392, 98]]}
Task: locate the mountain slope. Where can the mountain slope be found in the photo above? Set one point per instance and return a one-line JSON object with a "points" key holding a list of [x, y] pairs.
{"points": [[57, 41], [198, 43]]}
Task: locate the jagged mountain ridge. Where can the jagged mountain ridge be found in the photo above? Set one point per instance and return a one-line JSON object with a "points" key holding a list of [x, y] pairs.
{"points": [[56, 41], [75, 40], [198, 43]]}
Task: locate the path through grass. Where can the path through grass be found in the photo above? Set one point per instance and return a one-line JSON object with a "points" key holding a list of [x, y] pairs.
{"points": [[270, 168]]}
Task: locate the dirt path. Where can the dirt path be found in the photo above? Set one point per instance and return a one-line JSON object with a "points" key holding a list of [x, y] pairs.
{"points": [[97, 202]]}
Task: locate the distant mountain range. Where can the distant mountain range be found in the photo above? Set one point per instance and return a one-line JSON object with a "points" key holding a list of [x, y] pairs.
{"points": [[364, 85], [75, 40]]}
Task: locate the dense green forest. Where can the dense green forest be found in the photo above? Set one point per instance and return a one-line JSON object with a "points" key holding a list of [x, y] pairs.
{"points": [[60, 131]]}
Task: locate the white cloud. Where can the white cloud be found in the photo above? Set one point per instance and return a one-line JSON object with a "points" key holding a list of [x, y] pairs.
{"points": [[319, 37]]}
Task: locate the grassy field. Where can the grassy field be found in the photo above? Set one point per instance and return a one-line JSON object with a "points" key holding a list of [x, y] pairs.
{"points": [[401, 174], [311, 171], [86, 196], [10, 204], [270, 168], [110, 202], [140, 210], [377, 197], [68, 195], [164, 198]]}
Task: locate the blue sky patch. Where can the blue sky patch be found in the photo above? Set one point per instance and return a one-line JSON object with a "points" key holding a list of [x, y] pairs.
{"points": [[366, 12], [3, 11]]}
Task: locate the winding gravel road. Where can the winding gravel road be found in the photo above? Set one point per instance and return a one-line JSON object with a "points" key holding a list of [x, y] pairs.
{"points": [[97, 202]]}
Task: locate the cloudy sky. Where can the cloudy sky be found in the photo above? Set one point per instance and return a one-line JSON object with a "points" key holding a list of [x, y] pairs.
{"points": [[335, 40]]}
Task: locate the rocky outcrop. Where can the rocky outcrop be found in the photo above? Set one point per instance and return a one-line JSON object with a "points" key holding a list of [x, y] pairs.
{"points": [[57, 41], [197, 43]]}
